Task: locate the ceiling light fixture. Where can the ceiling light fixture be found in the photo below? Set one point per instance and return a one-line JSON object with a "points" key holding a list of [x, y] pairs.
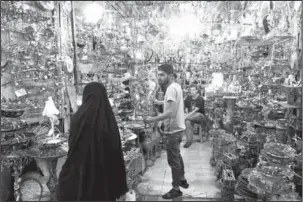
{"points": [[93, 12]]}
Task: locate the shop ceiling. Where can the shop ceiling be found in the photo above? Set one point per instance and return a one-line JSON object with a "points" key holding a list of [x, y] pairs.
{"points": [[211, 10], [209, 20]]}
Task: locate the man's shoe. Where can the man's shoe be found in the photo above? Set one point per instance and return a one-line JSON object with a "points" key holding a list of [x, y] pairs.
{"points": [[184, 184], [172, 194], [187, 144]]}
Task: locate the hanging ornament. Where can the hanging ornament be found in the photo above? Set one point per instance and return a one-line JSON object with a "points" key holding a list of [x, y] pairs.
{"points": [[46, 5], [109, 34], [29, 32], [69, 64], [140, 39], [124, 49]]}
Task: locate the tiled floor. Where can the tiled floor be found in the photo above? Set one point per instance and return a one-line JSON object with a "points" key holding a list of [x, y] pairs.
{"points": [[199, 173]]}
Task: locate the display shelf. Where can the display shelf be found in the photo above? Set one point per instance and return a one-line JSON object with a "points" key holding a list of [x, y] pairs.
{"points": [[278, 39], [251, 41], [288, 106], [42, 60]]}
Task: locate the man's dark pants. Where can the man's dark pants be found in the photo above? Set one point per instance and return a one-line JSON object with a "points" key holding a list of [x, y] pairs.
{"points": [[174, 157], [189, 122], [6, 190]]}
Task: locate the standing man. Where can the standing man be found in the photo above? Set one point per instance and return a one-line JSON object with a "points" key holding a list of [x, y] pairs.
{"points": [[173, 117], [194, 108]]}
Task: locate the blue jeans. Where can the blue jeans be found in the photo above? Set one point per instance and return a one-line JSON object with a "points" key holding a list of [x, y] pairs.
{"points": [[174, 157]]}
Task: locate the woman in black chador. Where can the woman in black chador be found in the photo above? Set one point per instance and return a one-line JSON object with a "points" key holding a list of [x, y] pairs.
{"points": [[94, 169]]}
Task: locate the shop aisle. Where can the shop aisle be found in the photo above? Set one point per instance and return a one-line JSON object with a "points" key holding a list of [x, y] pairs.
{"points": [[199, 173]]}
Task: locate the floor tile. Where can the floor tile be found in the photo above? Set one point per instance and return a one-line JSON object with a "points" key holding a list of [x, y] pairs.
{"points": [[143, 188], [155, 190], [196, 166], [198, 172], [151, 198]]}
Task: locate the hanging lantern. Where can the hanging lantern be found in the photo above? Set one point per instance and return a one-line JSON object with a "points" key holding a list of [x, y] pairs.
{"points": [[219, 40], [297, 6], [216, 27], [141, 39], [124, 49], [234, 34], [109, 34], [216, 32]]}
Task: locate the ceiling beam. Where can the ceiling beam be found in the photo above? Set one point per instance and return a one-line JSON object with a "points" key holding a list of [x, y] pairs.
{"points": [[126, 9], [120, 7], [109, 3]]}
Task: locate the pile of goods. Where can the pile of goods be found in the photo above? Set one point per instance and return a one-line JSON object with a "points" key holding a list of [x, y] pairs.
{"points": [[48, 147], [132, 154], [272, 175], [142, 91], [134, 163], [14, 141], [223, 143], [127, 138], [242, 185], [229, 183], [224, 147], [8, 124]]}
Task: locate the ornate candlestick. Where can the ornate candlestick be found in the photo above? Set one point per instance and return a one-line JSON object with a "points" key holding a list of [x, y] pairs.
{"points": [[17, 161], [231, 102], [47, 159]]}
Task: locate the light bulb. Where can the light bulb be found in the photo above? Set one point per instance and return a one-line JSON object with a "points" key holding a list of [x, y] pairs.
{"points": [[93, 13]]}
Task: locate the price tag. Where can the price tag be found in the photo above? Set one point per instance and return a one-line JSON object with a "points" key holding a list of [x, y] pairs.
{"points": [[21, 92]]}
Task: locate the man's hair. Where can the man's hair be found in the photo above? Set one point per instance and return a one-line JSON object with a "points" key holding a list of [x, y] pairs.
{"points": [[175, 75], [167, 68]]}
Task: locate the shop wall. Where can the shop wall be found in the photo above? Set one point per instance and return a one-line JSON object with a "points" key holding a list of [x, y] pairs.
{"points": [[30, 52]]}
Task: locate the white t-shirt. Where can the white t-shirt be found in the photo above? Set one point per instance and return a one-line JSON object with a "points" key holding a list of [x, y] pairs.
{"points": [[177, 122]]}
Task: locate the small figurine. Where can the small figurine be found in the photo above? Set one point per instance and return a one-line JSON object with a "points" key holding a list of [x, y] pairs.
{"points": [[51, 112]]}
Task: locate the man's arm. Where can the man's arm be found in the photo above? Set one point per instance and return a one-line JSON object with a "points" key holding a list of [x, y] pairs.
{"points": [[199, 106], [186, 110], [194, 111], [167, 114], [186, 104], [158, 102], [171, 97]]}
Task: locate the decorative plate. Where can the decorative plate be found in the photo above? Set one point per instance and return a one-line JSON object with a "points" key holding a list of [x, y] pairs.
{"points": [[134, 126], [46, 5], [279, 151], [46, 154], [12, 113], [31, 190], [12, 128], [48, 142]]}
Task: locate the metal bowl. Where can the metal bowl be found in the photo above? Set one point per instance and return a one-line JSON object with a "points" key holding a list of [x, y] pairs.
{"points": [[15, 113], [45, 154], [47, 143]]}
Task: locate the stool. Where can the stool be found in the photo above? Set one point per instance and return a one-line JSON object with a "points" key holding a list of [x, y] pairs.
{"points": [[200, 132], [153, 153]]}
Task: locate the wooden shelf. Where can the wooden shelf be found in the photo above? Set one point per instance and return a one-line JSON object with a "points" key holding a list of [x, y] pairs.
{"points": [[286, 105], [230, 97], [285, 86], [273, 39]]}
